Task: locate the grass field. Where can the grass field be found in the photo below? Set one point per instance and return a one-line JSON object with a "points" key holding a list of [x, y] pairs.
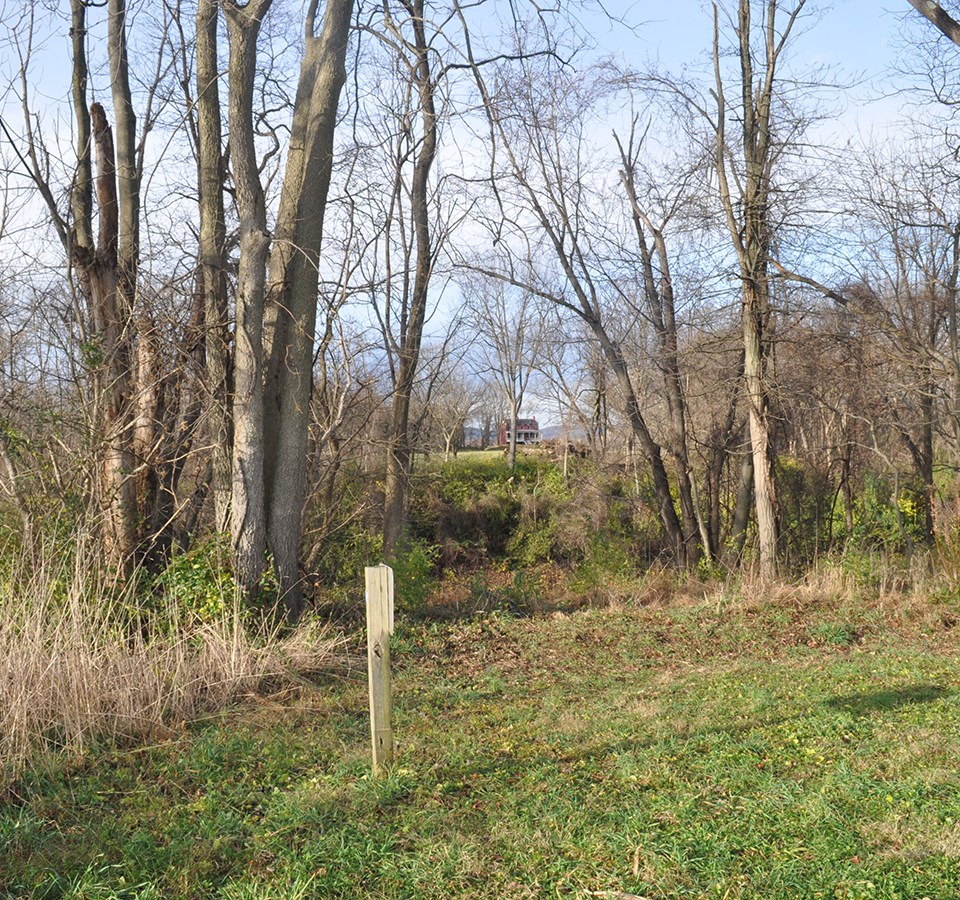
{"points": [[722, 748]]}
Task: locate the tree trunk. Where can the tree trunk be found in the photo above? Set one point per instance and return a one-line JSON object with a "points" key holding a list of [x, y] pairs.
{"points": [[81, 194], [651, 450], [662, 309], [212, 174], [847, 488], [938, 16], [748, 221], [113, 374], [922, 452], [248, 524], [141, 381], [757, 416], [512, 444], [147, 411], [128, 178], [294, 275], [398, 445], [741, 510], [106, 288]]}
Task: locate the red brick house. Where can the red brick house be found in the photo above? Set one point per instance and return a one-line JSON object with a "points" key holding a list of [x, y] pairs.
{"points": [[528, 432]]}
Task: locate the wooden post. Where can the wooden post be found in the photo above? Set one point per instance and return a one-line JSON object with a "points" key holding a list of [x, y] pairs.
{"points": [[379, 581]]}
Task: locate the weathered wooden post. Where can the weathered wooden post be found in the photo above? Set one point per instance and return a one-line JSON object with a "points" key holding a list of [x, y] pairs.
{"points": [[379, 580]]}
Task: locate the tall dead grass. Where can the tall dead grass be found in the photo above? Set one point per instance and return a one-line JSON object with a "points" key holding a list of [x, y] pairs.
{"points": [[921, 589], [81, 659], [922, 592]]}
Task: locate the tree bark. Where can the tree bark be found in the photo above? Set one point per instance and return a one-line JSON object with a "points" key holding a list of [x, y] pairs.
{"points": [[748, 221], [291, 313], [935, 14], [398, 446], [248, 519], [741, 509], [212, 174], [98, 264], [81, 194], [128, 178], [113, 373], [662, 309], [147, 412], [512, 443], [755, 391]]}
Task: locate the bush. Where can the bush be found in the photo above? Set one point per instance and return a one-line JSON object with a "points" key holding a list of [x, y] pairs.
{"points": [[610, 560], [469, 511], [805, 497], [414, 574], [199, 583], [478, 510], [885, 523], [339, 568]]}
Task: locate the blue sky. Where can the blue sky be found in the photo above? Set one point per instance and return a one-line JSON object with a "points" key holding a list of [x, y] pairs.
{"points": [[856, 34], [858, 37], [861, 41]]}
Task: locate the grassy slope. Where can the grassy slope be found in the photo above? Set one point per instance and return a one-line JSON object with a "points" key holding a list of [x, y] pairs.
{"points": [[773, 750]]}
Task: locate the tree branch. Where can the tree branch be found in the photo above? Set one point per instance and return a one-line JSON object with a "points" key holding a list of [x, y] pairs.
{"points": [[934, 13]]}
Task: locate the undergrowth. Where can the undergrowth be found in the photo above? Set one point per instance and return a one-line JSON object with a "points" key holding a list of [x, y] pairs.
{"points": [[86, 658], [744, 740]]}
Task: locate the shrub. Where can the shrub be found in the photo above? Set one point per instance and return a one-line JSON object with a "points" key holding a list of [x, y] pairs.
{"points": [[806, 498], [339, 568], [883, 522], [199, 583], [414, 574], [610, 560]]}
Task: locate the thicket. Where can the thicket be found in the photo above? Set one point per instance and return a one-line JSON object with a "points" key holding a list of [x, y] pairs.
{"points": [[132, 398], [86, 654], [484, 535]]}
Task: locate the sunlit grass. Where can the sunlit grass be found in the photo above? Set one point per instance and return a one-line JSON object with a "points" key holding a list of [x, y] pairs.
{"points": [[709, 750]]}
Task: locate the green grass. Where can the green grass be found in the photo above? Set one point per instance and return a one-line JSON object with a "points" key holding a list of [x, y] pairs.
{"points": [[706, 751]]}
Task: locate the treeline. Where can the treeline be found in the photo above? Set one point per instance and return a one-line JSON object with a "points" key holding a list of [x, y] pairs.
{"points": [[261, 256]]}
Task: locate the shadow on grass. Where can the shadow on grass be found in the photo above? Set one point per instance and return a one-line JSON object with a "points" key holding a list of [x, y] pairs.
{"points": [[860, 704], [866, 702]]}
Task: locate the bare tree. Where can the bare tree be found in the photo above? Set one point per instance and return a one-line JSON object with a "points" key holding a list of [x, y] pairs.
{"points": [[538, 122], [509, 324], [421, 146], [291, 311], [211, 179], [661, 308], [108, 268], [275, 336], [744, 166], [110, 308], [248, 523], [907, 296]]}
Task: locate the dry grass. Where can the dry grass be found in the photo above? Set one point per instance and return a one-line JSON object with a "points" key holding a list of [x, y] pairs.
{"points": [[82, 660], [914, 838], [887, 585]]}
